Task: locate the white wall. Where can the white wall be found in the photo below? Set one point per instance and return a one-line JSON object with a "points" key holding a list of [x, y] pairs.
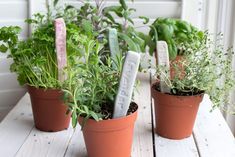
{"points": [[14, 12]]}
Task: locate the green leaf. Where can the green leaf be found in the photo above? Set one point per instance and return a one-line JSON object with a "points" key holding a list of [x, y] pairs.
{"points": [[172, 50], [146, 19], [110, 17], [131, 21], [3, 48], [94, 115], [116, 9], [184, 26], [55, 2], [155, 33], [74, 118], [87, 27], [131, 44], [69, 7], [123, 4]]}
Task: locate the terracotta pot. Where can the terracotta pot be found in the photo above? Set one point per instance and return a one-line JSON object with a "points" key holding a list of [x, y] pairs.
{"points": [[49, 111], [175, 115], [109, 138], [177, 61]]}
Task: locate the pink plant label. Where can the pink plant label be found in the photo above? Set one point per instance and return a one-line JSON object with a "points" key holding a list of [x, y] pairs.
{"points": [[60, 30], [126, 85], [163, 60]]}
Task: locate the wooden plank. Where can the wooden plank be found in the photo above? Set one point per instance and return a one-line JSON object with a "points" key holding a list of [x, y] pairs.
{"points": [[143, 142], [174, 148], [4, 111], [212, 133], [76, 146], [40, 143], [16, 127]]}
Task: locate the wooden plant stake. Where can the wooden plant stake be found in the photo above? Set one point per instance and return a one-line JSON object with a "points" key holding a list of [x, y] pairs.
{"points": [[60, 29], [163, 60], [126, 85]]}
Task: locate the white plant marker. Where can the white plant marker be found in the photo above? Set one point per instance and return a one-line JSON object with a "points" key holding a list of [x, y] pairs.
{"points": [[126, 85], [60, 29], [163, 60]]}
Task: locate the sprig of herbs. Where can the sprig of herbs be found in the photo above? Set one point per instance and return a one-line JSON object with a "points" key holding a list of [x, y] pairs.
{"points": [[205, 70]]}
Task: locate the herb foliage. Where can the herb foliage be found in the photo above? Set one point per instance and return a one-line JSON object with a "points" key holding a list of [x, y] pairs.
{"points": [[179, 35], [34, 59], [205, 70]]}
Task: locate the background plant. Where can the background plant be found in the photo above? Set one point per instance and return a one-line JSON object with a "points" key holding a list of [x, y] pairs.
{"points": [[99, 18], [34, 59], [179, 35], [206, 70]]}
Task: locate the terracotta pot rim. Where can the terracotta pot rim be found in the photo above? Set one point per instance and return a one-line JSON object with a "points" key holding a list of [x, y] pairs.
{"points": [[176, 96], [44, 89], [45, 93], [116, 119], [105, 125]]}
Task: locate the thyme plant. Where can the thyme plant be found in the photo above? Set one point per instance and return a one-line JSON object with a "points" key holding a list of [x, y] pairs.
{"points": [[205, 70]]}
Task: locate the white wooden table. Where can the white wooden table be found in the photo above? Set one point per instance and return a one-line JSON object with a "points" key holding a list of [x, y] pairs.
{"points": [[211, 136]]}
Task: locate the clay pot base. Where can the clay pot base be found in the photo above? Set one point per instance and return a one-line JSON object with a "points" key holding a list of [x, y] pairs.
{"points": [[56, 130], [49, 110], [175, 115], [109, 138]]}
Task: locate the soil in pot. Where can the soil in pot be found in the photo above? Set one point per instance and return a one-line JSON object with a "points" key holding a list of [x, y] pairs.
{"points": [[175, 115], [111, 137], [49, 110]]}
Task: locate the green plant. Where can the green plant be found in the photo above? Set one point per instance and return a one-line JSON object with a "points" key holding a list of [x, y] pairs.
{"points": [[205, 70], [179, 35], [92, 90], [98, 19], [34, 59]]}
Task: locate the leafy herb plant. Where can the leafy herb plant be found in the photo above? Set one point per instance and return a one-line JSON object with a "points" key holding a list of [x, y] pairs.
{"points": [[34, 59], [179, 35], [92, 90], [205, 70], [98, 19]]}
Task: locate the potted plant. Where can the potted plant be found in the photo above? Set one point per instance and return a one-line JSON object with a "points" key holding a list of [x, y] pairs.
{"points": [[91, 102], [100, 18], [35, 62], [206, 71], [179, 36]]}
